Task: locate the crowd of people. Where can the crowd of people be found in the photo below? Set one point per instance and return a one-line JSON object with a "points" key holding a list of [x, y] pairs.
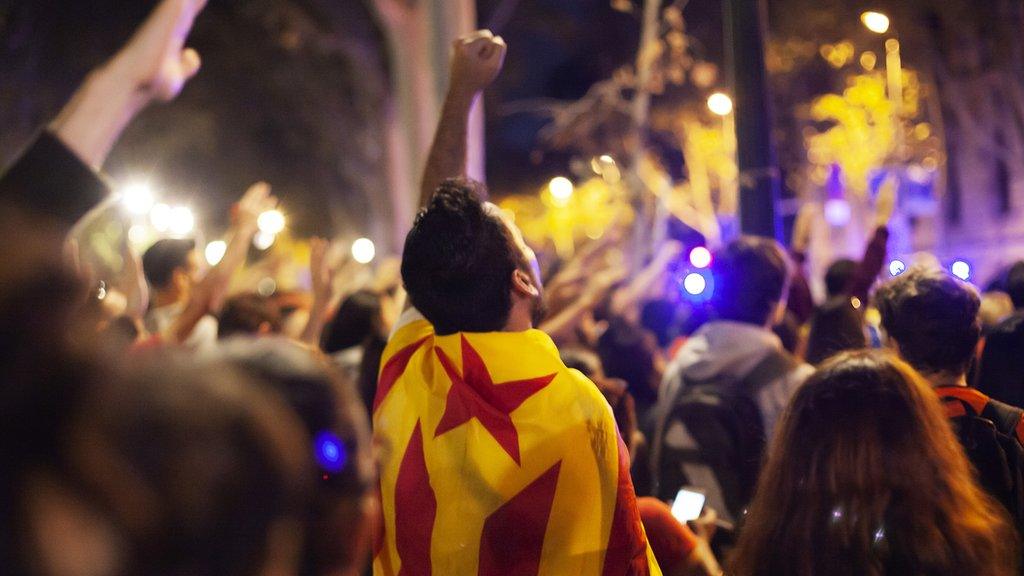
{"points": [[479, 407]]}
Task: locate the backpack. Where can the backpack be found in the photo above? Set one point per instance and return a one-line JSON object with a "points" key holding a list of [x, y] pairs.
{"points": [[723, 437], [990, 433]]}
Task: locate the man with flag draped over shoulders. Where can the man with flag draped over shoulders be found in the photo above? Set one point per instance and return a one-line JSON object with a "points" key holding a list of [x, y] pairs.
{"points": [[495, 458]]}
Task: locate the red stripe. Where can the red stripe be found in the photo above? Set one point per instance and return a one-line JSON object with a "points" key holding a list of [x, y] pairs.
{"points": [[513, 536], [627, 547], [393, 370], [415, 510]]}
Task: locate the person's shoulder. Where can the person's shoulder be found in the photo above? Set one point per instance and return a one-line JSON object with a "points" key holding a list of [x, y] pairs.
{"points": [[1012, 327]]}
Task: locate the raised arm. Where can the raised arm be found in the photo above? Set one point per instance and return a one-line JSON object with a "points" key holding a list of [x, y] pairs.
{"points": [[476, 62], [209, 293], [152, 67]]}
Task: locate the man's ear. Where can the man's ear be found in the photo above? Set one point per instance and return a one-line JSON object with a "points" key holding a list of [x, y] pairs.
{"points": [[523, 284]]}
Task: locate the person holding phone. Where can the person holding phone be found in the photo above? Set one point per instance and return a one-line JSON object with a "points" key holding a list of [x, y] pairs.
{"points": [[680, 549]]}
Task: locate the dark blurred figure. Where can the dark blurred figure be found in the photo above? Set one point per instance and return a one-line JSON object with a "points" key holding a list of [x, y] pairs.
{"points": [[356, 338], [249, 314], [336, 537], [1001, 371], [864, 477], [839, 276], [169, 468], [660, 318], [631, 353], [837, 326], [728, 384], [931, 319]]}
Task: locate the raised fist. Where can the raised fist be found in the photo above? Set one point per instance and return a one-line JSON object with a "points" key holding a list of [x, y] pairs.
{"points": [[476, 60]]}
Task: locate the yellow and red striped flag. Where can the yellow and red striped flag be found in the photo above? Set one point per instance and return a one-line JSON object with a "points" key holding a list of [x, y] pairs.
{"points": [[497, 459]]}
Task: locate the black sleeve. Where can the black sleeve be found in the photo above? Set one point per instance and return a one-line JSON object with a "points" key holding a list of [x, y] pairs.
{"points": [[49, 180]]}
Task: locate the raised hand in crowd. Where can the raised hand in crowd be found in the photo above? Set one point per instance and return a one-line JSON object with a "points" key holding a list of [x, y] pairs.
{"points": [[323, 280]]}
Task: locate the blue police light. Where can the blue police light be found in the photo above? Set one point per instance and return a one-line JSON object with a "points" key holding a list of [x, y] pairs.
{"points": [[330, 451]]}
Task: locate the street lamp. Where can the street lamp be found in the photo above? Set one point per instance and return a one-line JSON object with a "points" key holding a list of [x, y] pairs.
{"points": [[879, 24], [720, 104]]}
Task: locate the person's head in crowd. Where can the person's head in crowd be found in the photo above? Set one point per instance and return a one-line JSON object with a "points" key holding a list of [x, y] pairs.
{"points": [[170, 467], [250, 314], [660, 318], [837, 326], [865, 476], [358, 318], [788, 331], [838, 277], [466, 267], [750, 281], [631, 353], [336, 531], [995, 307], [589, 364], [931, 318], [1015, 284], [171, 267]]}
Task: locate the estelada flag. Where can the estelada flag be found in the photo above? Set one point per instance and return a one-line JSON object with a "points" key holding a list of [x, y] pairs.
{"points": [[497, 459]]}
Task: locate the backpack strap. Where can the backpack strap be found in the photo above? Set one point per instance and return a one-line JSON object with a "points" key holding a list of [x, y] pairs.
{"points": [[963, 400]]}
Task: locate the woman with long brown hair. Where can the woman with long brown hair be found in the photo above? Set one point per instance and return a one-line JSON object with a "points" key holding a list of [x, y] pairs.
{"points": [[865, 477]]}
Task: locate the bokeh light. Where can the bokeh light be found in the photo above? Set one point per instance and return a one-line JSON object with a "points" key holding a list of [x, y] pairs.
{"points": [[897, 267], [330, 452], [160, 217], [561, 189], [837, 212], [363, 251], [271, 222], [215, 251], [720, 104], [695, 284], [875, 22], [263, 240], [137, 198], [181, 221], [961, 270], [700, 257]]}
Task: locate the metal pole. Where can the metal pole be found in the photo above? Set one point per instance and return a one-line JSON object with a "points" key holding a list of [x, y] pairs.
{"points": [[745, 27]]}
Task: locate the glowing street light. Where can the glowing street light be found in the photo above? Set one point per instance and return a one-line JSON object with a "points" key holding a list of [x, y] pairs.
{"points": [[695, 284], [215, 251], [160, 217], [180, 221], [363, 251], [137, 198], [720, 104], [272, 222], [875, 22], [561, 190]]}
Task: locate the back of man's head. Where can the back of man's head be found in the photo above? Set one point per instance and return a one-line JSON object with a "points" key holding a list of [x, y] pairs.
{"points": [[933, 318], [1015, 284], [163, 258], [751, 276], [249, 314], [838, 276], [458, 262]]}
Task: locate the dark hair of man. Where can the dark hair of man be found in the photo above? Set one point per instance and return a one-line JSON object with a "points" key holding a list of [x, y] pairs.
{"points": [[247, 314], [458, 262], [837, 326], [354, 323], [839, 275], [751, 276], [934, 319], [1015, 284], [163, 258]]}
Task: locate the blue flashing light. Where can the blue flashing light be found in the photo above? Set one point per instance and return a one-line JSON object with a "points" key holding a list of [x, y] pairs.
{"points": [[329, 451]]}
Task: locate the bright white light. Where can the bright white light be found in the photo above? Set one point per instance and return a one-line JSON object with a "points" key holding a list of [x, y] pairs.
{"points": [[700, 257], [181, 221], [271, 222], [720, 104], [137, 198], [961, 270], [215, 251], [875, 21], [561, 189], [363, 250], [137, 234], [263, 240], [160, 217], [694, 284], [897, 267], [837, 212], [266, 287]]}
